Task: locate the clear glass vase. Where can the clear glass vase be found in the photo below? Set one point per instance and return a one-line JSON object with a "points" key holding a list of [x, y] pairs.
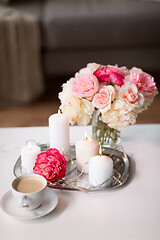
{"points": [[109, 137]]}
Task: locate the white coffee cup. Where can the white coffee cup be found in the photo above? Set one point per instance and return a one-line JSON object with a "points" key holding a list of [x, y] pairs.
{"points": [[29, 190]]}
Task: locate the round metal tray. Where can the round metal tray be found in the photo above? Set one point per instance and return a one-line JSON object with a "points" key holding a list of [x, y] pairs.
{"points": [[75, 180]]}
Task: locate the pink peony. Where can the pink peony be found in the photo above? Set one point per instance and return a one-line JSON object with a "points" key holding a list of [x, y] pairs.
{"points": [[110, 74], [51, 165], [144, 82], [85, 85]]}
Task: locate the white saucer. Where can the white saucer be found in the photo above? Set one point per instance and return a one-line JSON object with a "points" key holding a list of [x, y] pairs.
{"points": [[9, 206]]}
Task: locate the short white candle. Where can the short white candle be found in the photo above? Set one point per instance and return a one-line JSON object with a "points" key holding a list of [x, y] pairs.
{"points": [[86, 148], [59, 133], [100, 169], [28, 156]]}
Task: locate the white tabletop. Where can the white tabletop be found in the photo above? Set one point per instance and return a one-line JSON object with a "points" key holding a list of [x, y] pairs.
{"points": [[131, 212]]}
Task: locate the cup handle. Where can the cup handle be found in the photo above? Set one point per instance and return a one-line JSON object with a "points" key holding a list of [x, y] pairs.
{"points": [[23, 202]]}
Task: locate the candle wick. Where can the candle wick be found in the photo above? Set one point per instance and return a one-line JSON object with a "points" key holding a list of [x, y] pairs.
{"points": [[86, 137], [30, 146], [59, 111], [100, 150]]}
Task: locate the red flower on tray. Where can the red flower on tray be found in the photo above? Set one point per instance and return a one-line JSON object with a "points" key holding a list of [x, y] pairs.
{"points": [[51, 165]]}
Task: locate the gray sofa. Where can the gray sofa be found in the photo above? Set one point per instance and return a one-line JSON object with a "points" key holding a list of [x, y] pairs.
{"points": [[75, 32]]}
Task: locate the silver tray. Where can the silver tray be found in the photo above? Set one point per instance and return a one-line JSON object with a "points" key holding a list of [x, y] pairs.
{"points": [[75, 180]]}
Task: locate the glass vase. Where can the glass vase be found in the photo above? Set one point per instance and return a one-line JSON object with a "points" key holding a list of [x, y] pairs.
{"points": [[108, 137]]}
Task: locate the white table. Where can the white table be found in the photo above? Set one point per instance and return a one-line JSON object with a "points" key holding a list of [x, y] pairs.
{"points": [[132, 212]]}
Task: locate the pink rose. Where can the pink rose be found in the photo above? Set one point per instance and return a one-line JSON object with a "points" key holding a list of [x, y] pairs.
{"points": [[129, 93], [51, 165], [104, 97], [85, 85], [110, 74]]}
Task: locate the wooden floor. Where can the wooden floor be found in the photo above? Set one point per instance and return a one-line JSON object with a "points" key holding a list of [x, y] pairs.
{"points": [[37, 113]]}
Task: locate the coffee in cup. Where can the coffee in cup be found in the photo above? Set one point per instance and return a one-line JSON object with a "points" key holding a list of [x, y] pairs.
{"points": [[29, 190], [29, 184]]}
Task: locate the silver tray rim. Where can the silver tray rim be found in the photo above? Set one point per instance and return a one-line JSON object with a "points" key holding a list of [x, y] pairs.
{"points": [[63, 185]]}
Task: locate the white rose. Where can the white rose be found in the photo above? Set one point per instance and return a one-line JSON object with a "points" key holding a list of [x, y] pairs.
{"points": [[118, 116], [86, 112], [67, 90], [72, 108], [93, 66], [135, 70], [83, 71]]}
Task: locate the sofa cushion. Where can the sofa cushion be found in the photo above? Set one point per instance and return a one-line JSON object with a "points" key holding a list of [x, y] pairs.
{"points": [[100, 23], [69, 62]]}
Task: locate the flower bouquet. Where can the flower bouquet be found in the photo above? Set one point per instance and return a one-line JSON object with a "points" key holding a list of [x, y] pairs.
{"points": [[111, 96]]}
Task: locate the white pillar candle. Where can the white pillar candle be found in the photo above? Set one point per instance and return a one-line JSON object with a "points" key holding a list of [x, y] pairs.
{"points": [[28, 156], [86, 148], [59, 133], [100, 169]]}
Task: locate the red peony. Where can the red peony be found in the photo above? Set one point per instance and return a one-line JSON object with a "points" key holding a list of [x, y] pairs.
{"points": [[51, 165], [110, 74]]}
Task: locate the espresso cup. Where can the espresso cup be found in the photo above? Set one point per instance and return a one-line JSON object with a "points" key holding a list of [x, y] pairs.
{"points": [[29, 190]]}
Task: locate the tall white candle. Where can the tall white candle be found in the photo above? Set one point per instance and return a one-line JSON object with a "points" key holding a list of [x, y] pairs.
{"points": [[59, 133], [28, 156], [86, 148], [100, 170]]}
